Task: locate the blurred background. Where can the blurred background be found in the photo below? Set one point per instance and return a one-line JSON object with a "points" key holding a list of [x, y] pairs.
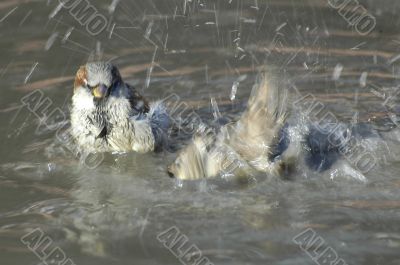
{"points": [[198, 50]]}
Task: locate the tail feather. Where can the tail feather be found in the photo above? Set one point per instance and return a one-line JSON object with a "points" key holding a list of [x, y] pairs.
{"points": [[240, 147], [257, 131]]}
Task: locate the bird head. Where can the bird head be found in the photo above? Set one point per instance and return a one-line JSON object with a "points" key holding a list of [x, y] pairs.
{"points": [[98, 79]]}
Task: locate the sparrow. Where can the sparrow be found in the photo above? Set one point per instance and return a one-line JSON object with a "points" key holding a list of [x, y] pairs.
{"points": [[238, 149], [109, 115], [264, 140]]}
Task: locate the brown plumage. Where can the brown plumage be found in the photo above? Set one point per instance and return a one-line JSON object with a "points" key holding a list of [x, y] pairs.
{"points": [[80, 77]]}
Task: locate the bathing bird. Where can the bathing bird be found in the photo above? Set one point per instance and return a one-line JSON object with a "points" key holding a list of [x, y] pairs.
{"points": [[109, 115], [241, 147]]}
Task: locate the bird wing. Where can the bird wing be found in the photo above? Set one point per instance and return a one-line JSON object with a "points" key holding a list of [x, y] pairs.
{"points": [[138, 102], [257, 131]]}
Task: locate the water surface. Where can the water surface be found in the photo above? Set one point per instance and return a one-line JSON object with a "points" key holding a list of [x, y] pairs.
{"points": [[198, 50]]}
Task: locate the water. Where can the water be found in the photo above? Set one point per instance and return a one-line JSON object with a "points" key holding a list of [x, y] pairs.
{"points": [[198, 50]]}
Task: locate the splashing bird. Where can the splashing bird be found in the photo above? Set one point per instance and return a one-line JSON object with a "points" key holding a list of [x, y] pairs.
{"points": [[241, 147], [109, 115]]}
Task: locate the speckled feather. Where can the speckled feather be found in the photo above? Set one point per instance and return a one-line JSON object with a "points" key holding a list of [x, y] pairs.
{"points": [[121, 122]]}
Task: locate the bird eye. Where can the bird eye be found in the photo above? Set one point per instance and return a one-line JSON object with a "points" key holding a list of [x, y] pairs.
{"points": [[90, 87]]}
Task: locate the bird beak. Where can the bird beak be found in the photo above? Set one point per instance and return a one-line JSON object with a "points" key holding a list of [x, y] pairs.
{"points": [[100, 91], [170, 172]]}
